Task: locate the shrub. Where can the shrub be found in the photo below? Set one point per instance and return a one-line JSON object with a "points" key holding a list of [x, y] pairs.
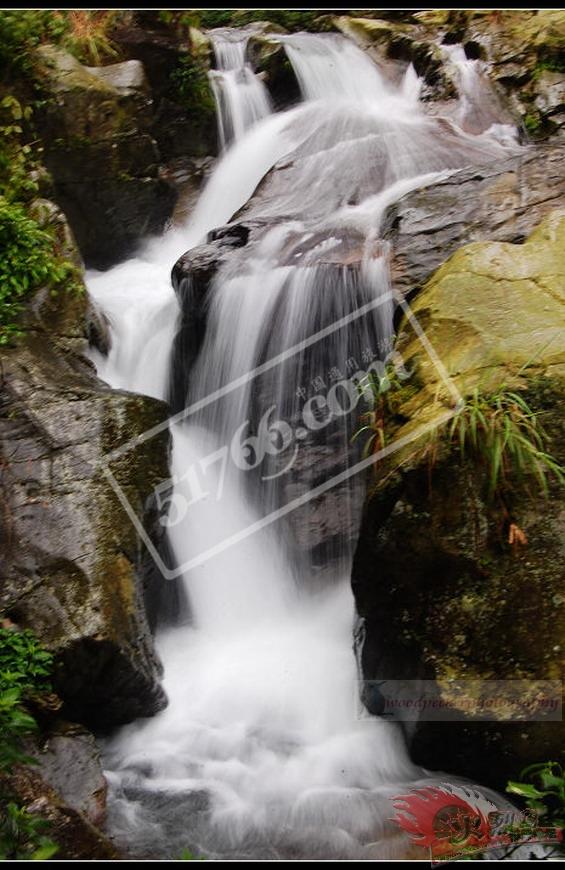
{"points": [[542, 788], [22, 30], [15, 156], [29, 261], [25, 668]]}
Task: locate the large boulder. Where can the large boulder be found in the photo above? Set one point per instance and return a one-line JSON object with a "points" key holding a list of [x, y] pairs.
{"points": [[501, 201], [74, 834], [68, 759], [81, 582], [450, 583], [96, 129], [267, 56]]}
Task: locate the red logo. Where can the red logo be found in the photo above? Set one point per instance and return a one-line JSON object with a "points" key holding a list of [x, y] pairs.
{"points": [[443, 822], [452, 822]]}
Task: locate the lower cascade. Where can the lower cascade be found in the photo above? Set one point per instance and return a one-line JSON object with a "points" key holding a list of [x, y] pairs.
{"points": [[265, 749]]}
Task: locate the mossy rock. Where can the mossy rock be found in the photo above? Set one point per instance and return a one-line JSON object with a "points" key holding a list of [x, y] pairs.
{"points": [[445, 591]]}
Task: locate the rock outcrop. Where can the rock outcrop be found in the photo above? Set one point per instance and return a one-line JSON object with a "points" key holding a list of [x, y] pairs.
{"points": [[75, 836], [96, 129], [73, 566], [446, 589], [69, 761], [502, 201], [182, 127]]}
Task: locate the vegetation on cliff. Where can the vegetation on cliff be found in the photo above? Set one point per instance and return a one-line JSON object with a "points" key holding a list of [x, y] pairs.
{"points": [[25, 670], [31, 255]]}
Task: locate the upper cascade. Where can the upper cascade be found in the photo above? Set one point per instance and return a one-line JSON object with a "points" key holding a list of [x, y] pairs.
{"points": [[241, 97]]}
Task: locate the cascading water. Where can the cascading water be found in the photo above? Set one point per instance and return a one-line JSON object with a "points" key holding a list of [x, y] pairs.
{"points": [[264, 751], [241, 97]]}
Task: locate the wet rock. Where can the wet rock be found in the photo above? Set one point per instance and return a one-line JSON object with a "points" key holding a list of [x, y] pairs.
{"points": [[387, 41], [81, 584], [69, 761], [96, 125], [502, 201], [76, 837], [522, 46], [444, 591], [268, 58], [192, 277]]}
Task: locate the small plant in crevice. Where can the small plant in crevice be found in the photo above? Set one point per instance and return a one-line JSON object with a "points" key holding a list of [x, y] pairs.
{"points": [[25, 670], [502, 432], [382, 391]]}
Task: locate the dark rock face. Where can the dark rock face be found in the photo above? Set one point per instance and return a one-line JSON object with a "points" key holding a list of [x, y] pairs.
{"points": [[96, 128], [74, 568], [268, 58], [502, 201], [179, 129]]}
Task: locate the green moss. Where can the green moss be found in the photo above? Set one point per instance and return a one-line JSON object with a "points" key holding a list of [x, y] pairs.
{"points": [[532, 123], [555, 64]]}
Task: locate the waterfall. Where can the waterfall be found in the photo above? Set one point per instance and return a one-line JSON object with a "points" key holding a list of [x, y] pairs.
{"points": [[241, 97], [264, 750]]}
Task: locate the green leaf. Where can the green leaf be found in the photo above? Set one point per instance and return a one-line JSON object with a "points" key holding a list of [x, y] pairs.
{"points": [[44, 852], [524, 789]]}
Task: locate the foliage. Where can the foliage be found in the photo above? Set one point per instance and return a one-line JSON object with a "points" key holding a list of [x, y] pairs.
{"points": [[548, 65], [23, 836], [22, 30], [503, 433], [25, 668], [542, 788], [532, 123], [16, 165], [29, 262], [84, 33], [190, 83], [24, 664], [87, 34], [289, 19]]}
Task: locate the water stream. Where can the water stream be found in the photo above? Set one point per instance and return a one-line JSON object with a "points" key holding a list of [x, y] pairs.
{"points": [[264, 749]]}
